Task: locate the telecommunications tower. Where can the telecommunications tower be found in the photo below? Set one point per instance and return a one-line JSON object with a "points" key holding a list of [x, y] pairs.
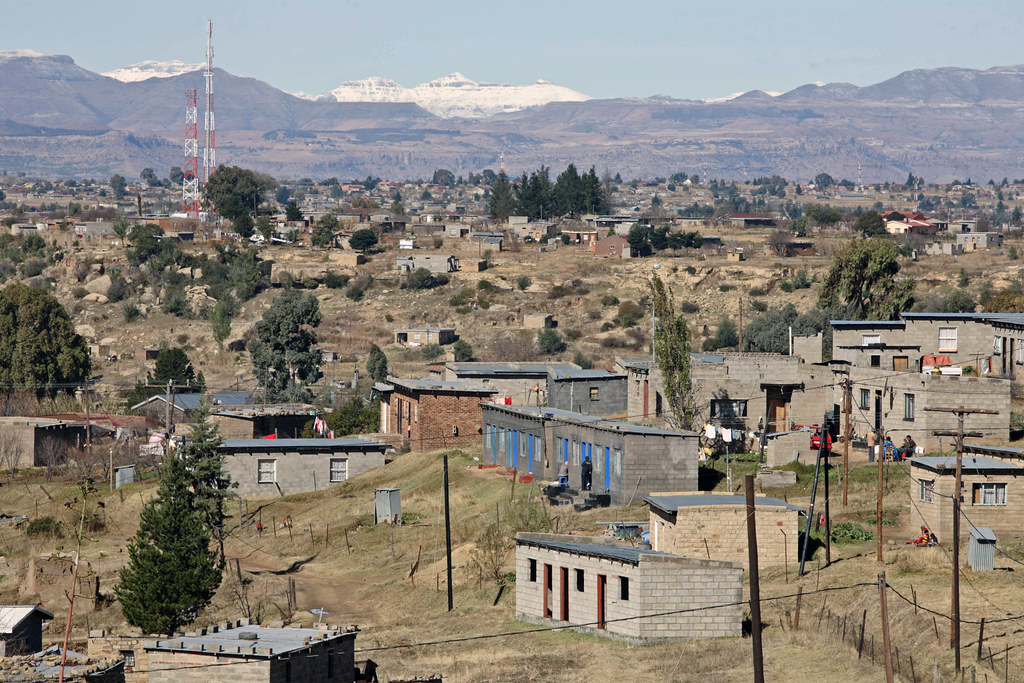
{"points": [[209, 143], [190, 182]]}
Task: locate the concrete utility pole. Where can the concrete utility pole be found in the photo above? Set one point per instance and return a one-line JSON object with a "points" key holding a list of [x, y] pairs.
{"points": [[961, 412], [846, 441], [881, 460]]}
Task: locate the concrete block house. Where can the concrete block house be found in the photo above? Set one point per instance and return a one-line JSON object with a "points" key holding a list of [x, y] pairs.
{"points": [[265, 468], [431, 414], [708, 524], [628, 459], [602, 588], [593, 392]]}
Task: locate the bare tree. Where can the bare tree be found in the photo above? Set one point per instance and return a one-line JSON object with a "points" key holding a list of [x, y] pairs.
{"points": [[778, 242], [11, 452], [51, 451], [251, 594]]}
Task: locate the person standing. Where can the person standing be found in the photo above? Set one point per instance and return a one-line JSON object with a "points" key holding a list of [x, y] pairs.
{"points": [[588, 473]]}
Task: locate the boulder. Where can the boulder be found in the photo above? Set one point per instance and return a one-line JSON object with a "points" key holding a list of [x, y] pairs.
{"points": [[98, 285]]}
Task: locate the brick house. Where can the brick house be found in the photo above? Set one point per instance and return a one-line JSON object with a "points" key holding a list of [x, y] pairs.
{"points": [[992, 494], [432, 414], [601, 588], [613, 246], [425, 335], [254, 654], [271, 467], [628, 459], [708, 524], [21, 629]]}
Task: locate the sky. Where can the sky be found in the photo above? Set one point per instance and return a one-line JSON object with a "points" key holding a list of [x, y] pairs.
{"points": [[602, 48]]}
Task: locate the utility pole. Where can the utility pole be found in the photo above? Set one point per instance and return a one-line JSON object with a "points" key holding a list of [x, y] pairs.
{"points": [[848, 385], [755, 584], [885, 628], [741, 324], [169, 410], [814, 493], [448, 533], [961, 413], [826, 451], [880, 459]]}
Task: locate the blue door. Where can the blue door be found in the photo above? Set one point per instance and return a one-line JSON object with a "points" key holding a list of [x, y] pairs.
{"points": [[607, 468], [529, 447], [515, 449]]}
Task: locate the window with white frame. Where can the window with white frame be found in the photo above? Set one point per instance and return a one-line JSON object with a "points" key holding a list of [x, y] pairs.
{"points": [[870, 339], [908, 407], [947, 339], [339, 469], [267, 471], [723, 407], [865, 398], [989, 494], [617, 461], [926, 490], [1020, 352]]}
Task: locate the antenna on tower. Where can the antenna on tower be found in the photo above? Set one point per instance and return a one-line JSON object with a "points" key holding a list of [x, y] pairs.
{"points": [[209, 143], [190, 181], [860, 186], [501, 163]]}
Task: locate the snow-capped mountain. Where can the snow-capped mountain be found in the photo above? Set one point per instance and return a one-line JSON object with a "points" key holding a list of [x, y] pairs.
{"points": [[455, 95], [152, 69]]}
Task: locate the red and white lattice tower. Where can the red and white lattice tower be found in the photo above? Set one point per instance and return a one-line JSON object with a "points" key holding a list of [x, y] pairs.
{"points": [[210, 142], [190, 183]]}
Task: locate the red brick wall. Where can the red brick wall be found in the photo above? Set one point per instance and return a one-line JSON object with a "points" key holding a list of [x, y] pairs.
{"points": [[428, 419]]}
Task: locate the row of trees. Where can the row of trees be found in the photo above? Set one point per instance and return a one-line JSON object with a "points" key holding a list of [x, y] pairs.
{"points": [[534, 194]]}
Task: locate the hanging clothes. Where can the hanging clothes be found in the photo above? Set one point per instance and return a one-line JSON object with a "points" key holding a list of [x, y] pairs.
{"points": [[709, 431]]}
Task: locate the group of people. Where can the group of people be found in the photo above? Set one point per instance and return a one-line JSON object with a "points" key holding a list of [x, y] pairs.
{"points": [[889, 451], [586, 472]]}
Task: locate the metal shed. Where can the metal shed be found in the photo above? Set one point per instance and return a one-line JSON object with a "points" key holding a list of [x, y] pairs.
{"points": [[124, 475], [387, 506], [981, 553]]}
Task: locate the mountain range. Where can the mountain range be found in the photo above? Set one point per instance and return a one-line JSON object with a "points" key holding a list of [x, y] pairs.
{"points": [[60, 120]]}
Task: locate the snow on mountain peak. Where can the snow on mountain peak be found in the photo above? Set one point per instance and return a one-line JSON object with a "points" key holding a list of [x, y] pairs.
{"points": [[16, 54], [455, 95], [152, 69]]}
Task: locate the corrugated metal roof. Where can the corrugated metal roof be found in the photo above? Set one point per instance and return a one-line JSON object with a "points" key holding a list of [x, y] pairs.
{"points": [[673, 503], [300, 444], [589, 420], [982, 533], [579, 373], [193, 401], [268, 642], [619, 553], [866, 323], [12, 615], [442, 385], [970, 463]]}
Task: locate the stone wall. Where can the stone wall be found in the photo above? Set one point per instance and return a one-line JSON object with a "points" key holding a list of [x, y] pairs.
{"points": [[657, 584]]}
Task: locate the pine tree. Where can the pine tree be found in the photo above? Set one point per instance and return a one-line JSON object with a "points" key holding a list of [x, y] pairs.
{"points": [[204, 469], [502, 202], [172, 574], [377, 364]]}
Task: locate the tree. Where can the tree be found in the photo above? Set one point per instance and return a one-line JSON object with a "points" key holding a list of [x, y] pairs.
{"points": [[148, 176], [397, 208], [220, 320], [501, 203], [283, 352], [870, 224], [672, 352], [823, 181], [121, 227], [172, 573], [463, 351], [282, 195], [39, 347], [292, 212], [176, 176], [363, 240], [118, 185], [862, 282], [443, 176], [204, 471], [725, 336], [377, 364], [549, 341], [324, 229], [173, 364], [236, 192], [637, 238]]}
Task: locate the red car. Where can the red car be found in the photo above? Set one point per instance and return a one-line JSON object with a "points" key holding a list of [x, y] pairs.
{"points": [[816, 439]]}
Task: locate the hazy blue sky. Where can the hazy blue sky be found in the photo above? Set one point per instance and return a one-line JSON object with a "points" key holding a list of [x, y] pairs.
{"points": [[602, 48]]}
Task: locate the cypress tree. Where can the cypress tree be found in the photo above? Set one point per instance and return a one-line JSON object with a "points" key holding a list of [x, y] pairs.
{"points": [[172, 574]]}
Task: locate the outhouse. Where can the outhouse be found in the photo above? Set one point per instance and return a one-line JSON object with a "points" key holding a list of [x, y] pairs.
{"points": [[981, 553], [387, 506]]}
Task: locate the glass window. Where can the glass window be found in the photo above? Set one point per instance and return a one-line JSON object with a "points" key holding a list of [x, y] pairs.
{"points": [[865, 398], [908, 407], [594, 393], [869, 339], [533, 570], [267, 471], [576, 453], [339, 469], [927, 490], [990, 494], [617, 461], [721, 407], [1020, 352], [947, 339]]}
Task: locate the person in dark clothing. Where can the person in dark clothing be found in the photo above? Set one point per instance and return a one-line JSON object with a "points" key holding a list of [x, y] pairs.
{"points": [[588, 473], [908, 448]]}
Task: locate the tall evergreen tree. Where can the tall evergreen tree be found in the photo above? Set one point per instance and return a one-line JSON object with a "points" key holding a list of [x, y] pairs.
{"points": [[172, 574], [377, 364], [204, 467], [568, 191], [502, 201]]}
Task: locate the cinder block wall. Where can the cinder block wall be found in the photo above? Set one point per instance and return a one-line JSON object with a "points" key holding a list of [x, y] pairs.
{"points": [[657, 584], [1004, 520], [723, 528], [296, 473]]}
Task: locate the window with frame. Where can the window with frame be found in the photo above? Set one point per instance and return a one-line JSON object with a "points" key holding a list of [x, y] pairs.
{"points": [[865, 398], [617, 461], [595, 393], [533, 570], [129, 659], [576, 453], [876, 361], [1020, 352], [926, 490], [947, 339], [908, 407], [989, 494], [723, 407], [267, 472], [870, 339], [623, 588], [579, 580], [339, 469]]}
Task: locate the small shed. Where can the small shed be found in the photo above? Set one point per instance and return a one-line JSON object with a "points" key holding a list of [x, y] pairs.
{"points": [[387, 506], [981, 553], [124, 475]]}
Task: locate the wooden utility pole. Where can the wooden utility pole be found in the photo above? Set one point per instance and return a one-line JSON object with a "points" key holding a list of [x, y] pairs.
{"points": [[885, 628], [814, 494], [961, 413], [881, 459], [826, 451], [755, 586], [848, 385], [741, 324], [448, 533]]}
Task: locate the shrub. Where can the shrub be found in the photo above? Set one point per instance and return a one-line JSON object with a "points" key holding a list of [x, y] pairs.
{"points": [[485, 286], [607, 326], [79, 292], [689, 307], [726, 288], [629, 313], [463, 297], [609, 300], [849, 532], [1013, 253], [116, 290], [355, 292], [46, 527], [549, 341], [175, 303], [522, 282], [431, 351], [334, 280], [421, 278], [691, 270], [759, 306], [310, 283], [579, 359], [786, 286], [758, 291], [462, 350], [130, 311], [33, 267], [573, 334], [484, 304], [462, 310]]}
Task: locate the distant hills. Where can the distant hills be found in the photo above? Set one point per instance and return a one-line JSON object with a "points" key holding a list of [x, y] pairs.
{"points": [[58, 119]]}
